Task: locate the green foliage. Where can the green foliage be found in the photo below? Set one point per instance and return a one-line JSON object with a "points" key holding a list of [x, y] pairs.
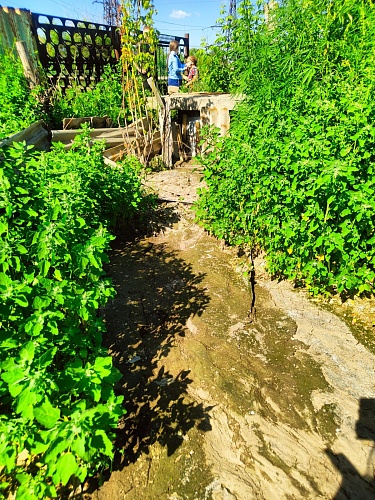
{"points": [[19, 107], [22, 106], [296, 174], [102, 99], [217, 62], [215, 65], [138, 51], [58, 406]]}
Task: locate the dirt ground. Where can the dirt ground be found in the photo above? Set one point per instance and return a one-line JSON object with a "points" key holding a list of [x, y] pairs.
{"points": [[224, 402]]}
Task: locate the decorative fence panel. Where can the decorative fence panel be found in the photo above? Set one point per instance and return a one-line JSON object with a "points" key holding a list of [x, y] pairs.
{"points": [[70, 49]]}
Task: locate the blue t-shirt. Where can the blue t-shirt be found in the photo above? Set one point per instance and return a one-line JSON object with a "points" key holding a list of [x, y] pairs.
{"points": [[175, 67]]}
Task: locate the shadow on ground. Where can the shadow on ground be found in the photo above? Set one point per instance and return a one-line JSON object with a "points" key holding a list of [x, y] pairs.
{"points": [[156, 294], [354, 485]]}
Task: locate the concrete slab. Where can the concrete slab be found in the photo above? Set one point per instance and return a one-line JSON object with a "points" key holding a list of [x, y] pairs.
{"points": [[213, 109]]}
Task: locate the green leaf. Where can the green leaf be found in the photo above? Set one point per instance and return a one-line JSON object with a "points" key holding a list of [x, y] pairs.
{"points": [[103, 366], [25, 403], [47, 358], [3, 227], [82, 473], [46, 414], [56, 210], [57, 275], [13, 380], [8, 457], [21, 249], [56, 447], [32, 212], [27, 352], [78, 445], [41, 302], [101, 443], [21, 300], [44, 267], [81, 222], [66, 466]]}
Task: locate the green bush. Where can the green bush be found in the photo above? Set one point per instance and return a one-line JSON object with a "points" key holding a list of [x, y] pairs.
{"points": [[105, 98], [214, 70], [19, 107], [22, 106], [58, 407], [296, 174]]}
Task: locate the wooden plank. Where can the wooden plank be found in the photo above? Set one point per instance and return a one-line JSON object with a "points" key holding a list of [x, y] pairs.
{"points": [[110, 163], [176, 136], [156, 145], [166, 131], [101, 121], [68, 135], [95, 122], [111, 142], [184, 126], [35, 135], [74, 123], [119, 132], [139, 126], [31, 74], [180, 144], [156, 92], [108, 153], [197, 136]]}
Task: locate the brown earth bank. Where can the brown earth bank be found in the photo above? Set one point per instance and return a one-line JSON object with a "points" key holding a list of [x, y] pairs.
{"points": [[224, 401]]}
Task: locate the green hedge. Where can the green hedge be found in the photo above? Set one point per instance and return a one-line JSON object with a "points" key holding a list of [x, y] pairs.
{"points": [[58, 407], [295, 176]]}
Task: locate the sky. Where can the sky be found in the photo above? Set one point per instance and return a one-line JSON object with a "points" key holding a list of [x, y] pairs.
{"points": [[198, 18]]}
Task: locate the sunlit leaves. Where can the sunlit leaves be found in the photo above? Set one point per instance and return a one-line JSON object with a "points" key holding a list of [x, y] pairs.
{"points": [[295, 176], [56, 384]]}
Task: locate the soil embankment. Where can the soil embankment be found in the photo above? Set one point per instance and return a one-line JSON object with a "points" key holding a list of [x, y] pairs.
{"points": [[223, 404]]}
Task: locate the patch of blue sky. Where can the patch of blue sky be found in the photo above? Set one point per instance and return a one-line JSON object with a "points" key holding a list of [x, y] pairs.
{"points": [[198, 18]]}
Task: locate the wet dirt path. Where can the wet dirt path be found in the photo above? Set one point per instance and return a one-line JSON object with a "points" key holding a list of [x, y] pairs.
{"points": [[222, 404]]}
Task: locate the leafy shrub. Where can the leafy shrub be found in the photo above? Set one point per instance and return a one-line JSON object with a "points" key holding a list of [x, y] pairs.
{"points": [[105, 98], [215, 69], [58, 407], [296, 174], [19, 107]]}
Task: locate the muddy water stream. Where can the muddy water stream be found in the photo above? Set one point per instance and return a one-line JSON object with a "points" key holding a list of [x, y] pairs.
{"points": [[223, 404]]}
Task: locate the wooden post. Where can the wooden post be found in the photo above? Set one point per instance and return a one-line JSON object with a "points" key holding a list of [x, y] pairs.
{"points": [[156, 92], [167, 136], [186, 48], [165, 123], [31, 74]]}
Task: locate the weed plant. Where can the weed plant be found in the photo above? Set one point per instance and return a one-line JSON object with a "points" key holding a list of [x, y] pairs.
{"points": [[58, 406], [102, 99], [19, 106], [295, 176]]}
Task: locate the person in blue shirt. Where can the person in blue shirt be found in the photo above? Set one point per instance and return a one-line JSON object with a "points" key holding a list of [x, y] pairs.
{"points": [[175, 68]]}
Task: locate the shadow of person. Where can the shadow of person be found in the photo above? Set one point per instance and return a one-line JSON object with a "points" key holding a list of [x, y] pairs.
{"points": [[157, 292], [354, 486]]}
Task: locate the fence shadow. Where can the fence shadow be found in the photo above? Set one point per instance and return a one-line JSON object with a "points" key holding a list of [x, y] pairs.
{"points": [[157, 292]]}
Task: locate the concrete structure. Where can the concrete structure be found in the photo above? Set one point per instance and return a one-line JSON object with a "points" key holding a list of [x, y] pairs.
{"points": [[202, 109]]}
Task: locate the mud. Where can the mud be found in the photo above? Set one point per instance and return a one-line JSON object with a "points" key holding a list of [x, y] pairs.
{"points": [[223, 403]]}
